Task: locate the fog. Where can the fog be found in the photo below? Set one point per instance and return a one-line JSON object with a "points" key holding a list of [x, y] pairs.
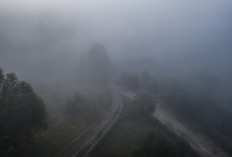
{"points": [[42, 41]]}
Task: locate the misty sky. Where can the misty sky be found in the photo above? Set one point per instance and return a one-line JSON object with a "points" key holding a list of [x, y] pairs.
{"points": [[196, 34]]}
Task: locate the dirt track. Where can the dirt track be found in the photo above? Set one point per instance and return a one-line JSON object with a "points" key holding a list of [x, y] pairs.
{"points": [[92, 135], [199, 142]]}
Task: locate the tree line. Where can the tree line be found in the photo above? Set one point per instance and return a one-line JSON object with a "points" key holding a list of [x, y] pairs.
{"points": [[22, 113]]}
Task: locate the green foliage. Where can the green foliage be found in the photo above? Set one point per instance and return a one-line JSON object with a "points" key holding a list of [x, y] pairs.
{"points": [[161, 146], [22, 112]]}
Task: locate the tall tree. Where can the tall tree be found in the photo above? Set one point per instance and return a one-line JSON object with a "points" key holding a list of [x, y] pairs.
{"points": [[98, 64], [22, 112]]}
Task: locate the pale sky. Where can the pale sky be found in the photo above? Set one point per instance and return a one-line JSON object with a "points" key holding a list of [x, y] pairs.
{"points": [[171, 23], [167, 29]]}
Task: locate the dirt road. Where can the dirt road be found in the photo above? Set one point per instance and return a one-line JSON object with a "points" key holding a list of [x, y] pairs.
{"points": [[96, 132], [199, 142]]}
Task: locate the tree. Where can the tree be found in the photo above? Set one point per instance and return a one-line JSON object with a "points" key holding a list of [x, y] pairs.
{"points": [[99, 66], [22, 112]]}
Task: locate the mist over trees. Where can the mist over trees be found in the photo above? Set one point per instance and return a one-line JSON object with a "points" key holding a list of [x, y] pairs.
{"points": [[130, 80], [194, 102], [181, 54], [96, 65], [52, 43]]}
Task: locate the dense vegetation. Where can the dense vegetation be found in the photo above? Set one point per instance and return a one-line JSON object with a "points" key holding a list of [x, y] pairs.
{"points": [[161, 145], [201, 110], [198, 108], [22, 112]]}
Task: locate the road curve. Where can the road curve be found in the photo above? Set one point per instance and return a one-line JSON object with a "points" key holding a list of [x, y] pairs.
{"points": [[199, 142], [83, 148]]}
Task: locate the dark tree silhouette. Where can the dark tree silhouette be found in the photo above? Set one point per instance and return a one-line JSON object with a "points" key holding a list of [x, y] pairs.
{"points": [[161, 145], [22, 112], [98, 64]]}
